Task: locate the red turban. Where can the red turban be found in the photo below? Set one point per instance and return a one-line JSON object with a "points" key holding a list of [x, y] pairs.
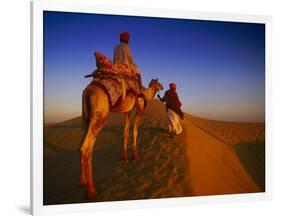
{"points": [[173, 86], [124, 36]]}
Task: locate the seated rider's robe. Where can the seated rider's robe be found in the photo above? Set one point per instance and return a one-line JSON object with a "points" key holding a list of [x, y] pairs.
{"points": [[122, 54]]}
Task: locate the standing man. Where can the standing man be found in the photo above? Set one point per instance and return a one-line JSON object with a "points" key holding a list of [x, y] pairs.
{"points": [[173, 108]]}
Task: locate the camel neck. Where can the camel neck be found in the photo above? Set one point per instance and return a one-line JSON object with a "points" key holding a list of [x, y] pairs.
{"points": [[150, 93]]}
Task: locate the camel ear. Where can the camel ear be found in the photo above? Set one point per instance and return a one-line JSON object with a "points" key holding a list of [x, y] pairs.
{"points": [[156, 79]]}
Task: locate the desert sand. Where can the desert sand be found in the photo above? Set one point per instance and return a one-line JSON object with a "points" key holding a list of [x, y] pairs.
{"points": [[208, 158]]}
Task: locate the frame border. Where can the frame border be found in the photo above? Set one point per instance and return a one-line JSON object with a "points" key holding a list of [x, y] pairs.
{"points": [[36, 79]]}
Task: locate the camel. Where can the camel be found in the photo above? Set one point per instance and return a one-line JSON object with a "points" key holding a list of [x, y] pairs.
{"points": [[96, 108]]}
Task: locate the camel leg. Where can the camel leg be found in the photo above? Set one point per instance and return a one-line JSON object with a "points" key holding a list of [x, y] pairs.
{"points": [[127, 117], [83, 150], [99, 110], [83, 179], [135, 134], [87, 136], [96, 124]]}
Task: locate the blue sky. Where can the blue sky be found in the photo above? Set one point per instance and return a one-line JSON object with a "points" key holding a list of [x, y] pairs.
{"points": [[219, 67]]}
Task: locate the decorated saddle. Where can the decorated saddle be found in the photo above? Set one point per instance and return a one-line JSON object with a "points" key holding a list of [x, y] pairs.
{"points": [[116, 79]]}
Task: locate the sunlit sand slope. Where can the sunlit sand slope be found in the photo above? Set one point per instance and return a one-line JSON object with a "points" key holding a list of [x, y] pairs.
{"points": [[214, 166]]}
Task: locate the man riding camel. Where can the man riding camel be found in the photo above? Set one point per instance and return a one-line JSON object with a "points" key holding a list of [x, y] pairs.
{"points": [[123, 54], [173, 108], [119, 77]]}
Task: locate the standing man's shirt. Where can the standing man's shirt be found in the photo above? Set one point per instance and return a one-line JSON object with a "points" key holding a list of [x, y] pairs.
{"points": [[172, 101], [122, 54]]}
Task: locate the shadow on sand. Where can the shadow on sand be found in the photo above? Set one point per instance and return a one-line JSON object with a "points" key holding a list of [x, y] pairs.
{"points": [[252, 156]]}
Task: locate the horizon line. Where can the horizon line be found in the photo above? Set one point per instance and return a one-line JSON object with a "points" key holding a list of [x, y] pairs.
{"points": [[196, 116]]}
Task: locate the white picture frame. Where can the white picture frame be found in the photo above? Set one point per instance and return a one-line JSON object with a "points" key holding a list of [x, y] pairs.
{"points": [[37, 8]]}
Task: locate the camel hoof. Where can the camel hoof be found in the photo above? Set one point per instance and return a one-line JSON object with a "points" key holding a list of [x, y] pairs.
{"points": [[91, 195], [83, 181], [82, 184], [124, 158], [136, 157]]}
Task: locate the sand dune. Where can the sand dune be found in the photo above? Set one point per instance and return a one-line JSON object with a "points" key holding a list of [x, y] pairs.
{"points": [[214, 166], [246, 139], [231, 132], [198, 162]]}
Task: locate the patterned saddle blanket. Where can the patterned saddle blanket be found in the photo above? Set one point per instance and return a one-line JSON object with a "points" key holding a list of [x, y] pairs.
{"points": [[111, 76]]}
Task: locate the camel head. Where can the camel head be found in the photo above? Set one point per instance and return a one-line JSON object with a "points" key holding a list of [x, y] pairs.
{"points": [[157, 86]]}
